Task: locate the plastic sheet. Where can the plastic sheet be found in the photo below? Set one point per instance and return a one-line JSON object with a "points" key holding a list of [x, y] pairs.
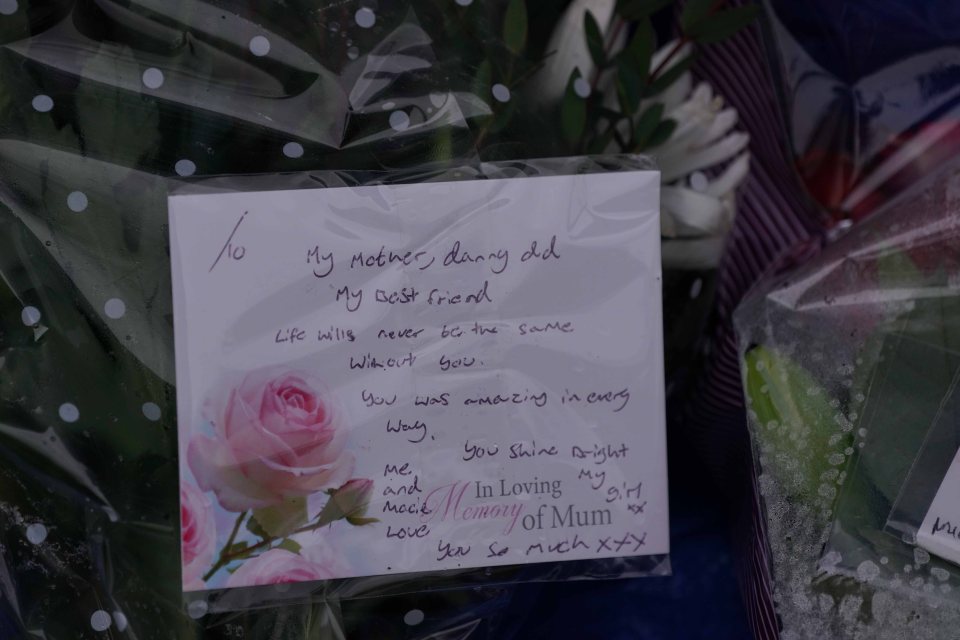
{"points": [[929, 470], [847, 361], [872, 96], [102, 105]]}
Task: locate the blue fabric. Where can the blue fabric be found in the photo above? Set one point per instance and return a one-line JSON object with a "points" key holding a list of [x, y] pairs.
{"points": [[701, 601]]}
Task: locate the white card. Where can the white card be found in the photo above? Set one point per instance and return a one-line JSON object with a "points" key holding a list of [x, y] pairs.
{"points": [[940, 532], [408, 378]]}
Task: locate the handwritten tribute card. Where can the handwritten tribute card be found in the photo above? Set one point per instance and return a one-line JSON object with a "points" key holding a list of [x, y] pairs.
{"points": [[940, 531], [408, 378]]}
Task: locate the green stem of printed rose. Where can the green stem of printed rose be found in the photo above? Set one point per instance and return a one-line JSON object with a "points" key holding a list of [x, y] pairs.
{"points": [[226, 558]]}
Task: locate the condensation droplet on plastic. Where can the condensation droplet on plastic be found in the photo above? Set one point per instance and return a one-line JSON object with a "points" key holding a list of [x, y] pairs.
{"points": [[399, 121], [388, 105], [152, 78], [69, 412], [868, 571], [940, 574], [42, 103], [500, 92], [185, 167], [77, 201], [120, 620], [413, 617], [36, 533], [197, 609], [8, 7], [151, 411], [293, 150], [920, 556], [259, 46], [464, 3], [696, 288], [100, 620], [115, 308], [699, 181], [365, 17], [353, 53], [582, 88], [30, 316], [438, 98]]}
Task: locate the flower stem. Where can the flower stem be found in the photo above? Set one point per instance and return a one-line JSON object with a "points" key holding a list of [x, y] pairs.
{"points": [[224, 558]]}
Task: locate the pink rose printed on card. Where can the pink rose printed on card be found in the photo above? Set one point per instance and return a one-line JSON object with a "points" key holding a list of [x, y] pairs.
{"points": [[198, 535], [279, 566], [273, 438]]}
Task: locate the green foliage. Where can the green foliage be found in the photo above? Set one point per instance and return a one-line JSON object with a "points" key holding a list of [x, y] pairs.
{"points": [[703, 22], [573, 111], [515, 26], [594, 37], [282, 519]]}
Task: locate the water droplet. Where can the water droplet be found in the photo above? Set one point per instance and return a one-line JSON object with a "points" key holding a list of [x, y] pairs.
{"points": [[36, 533], [464, 3], [699, 181], [920, 556], [152, 78], [8, 7], [115, 308], [696, 288], [581, 87], [413, 617], [399, 121], [42, 103], [500, 92], [185, 167], [69, 412], [151, 411], [197, 609], [365, 17], [389, 104], [353, 53], [100, 620], [293, 150], [120, 620], [868, 571], [30, 316], [77, 201], [438, 99], [259, 46]]}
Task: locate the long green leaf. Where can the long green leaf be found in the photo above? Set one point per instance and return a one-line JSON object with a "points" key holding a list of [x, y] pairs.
{"points": [[628, 88], [515, 26], [573, 111], [647, 124], [662, 133], [639, 50], [594, 38], [671, 75]]}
